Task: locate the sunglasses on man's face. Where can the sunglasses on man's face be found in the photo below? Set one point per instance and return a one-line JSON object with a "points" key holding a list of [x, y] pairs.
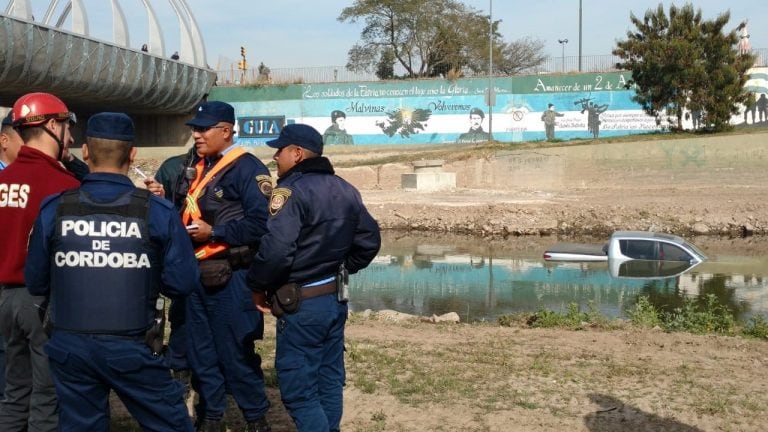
{"points": [[200, 129]]}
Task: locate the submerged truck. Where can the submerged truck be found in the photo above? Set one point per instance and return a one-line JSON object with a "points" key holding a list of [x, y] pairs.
{"points": [[629, 245]]}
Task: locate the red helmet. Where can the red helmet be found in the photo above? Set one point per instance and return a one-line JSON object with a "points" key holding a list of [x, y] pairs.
{"points": [[34, 109]]}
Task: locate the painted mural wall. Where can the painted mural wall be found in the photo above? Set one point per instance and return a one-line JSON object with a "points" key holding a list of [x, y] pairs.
{"points": [[757, 109], [526, 108]]}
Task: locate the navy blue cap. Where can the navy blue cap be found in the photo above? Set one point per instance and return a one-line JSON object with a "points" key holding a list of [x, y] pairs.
{"points": [[300, 135], [8, 120], [210, 113], [111, 126]]}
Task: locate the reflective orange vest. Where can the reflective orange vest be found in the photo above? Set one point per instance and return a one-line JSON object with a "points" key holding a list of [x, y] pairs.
{"points": [[192, 209]]}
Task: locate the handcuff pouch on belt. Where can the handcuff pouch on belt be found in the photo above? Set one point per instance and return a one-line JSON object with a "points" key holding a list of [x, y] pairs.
{"points": [[285, 300], [215, 273]]}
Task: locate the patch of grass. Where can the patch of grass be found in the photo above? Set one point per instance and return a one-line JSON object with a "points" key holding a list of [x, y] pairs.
{"points": [[644, 314], [757, 327], [713, 403], [573, 318], [512, 320], [401, 372], [542, 364], [709, 318], [692, 316]]}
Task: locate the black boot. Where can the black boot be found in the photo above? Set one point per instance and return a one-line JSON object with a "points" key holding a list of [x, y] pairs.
{"points": [[207, 425], [259, 425]]}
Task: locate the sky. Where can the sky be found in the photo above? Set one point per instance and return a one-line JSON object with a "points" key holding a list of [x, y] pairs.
{"points": [[306, 33]]}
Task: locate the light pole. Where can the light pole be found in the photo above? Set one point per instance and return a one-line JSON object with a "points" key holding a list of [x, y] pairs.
{"points": [[491, 99], [562, 43], [579, 35]]}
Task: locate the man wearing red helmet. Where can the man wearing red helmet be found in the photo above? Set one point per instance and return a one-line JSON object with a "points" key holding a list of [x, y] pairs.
{"points": [[43, 121]]}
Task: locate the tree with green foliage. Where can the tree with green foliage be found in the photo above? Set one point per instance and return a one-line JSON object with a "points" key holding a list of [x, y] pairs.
{"points": [[433, 38], [385, 69], [681, 61]]}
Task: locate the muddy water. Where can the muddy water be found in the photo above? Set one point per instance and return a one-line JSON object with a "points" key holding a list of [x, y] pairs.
{"points": [[481, 279]]}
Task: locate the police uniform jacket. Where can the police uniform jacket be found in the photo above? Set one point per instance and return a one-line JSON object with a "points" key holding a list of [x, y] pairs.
{"points": [[23, 186], [178, 273], [235, 203], [317, 221]]}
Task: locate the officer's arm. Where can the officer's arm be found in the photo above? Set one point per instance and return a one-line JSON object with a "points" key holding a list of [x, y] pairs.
{"points": [[37, 266], [272, 264], [253, 225], [366, 243], [180, 273]]}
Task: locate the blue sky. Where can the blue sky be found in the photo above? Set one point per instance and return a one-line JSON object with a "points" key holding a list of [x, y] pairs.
{"points": [[305, 33]]}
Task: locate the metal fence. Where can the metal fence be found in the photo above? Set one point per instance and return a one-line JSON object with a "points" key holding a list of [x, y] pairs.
{"points": [[328, 74]]}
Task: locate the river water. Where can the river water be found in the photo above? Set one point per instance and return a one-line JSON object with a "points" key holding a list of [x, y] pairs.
{"points": [[481, 279]]}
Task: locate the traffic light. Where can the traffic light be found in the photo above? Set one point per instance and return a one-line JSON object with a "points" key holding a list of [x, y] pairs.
{"points": [[245, 65], [242, 52]]}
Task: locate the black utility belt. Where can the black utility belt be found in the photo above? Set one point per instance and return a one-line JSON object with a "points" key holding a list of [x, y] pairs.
{"points": [[318, 290], [10, 286], [287, 299], [100, 335]]}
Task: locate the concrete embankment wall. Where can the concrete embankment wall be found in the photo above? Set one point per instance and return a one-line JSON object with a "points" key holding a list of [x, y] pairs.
{"points": [[671, 162]]}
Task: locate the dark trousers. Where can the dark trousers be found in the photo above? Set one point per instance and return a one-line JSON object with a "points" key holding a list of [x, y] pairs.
{"points": [[310, 363], [85, 367], [2, 365], [177, 341], [30, 398], [222, 327]]}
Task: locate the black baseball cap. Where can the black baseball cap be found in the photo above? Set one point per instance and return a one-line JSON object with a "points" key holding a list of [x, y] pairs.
{"points": [[301, 135]]}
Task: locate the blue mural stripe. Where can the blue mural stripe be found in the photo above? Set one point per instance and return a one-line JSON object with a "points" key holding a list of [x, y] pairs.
{"points": [[527, 108]]}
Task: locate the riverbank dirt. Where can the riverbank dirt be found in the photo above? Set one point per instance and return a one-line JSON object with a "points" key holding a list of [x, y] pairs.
{"points": [[426, 377]]}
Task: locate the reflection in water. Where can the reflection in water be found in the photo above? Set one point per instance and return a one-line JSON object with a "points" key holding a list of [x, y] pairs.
{"points": [[480, 282], [667, 300]]}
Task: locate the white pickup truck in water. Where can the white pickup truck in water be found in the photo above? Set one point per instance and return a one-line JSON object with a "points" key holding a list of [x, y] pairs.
{"points": [[629, 245]]}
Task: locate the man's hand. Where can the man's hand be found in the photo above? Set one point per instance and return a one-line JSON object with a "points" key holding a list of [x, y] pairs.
{"points": [[154, 187], [260, 301], [200, 231]]}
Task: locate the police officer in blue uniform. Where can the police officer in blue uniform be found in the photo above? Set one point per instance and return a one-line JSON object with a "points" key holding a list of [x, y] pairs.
{"points": [[226, 214], [103, 253], [317, 224]]}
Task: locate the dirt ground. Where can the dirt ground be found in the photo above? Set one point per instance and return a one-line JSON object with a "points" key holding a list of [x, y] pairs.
{"points": [[555, 380]]}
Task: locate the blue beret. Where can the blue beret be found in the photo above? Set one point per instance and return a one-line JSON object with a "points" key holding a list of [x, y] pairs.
{"points": [[210, 113], [8, 120], [111, 126], [300, 135]]}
